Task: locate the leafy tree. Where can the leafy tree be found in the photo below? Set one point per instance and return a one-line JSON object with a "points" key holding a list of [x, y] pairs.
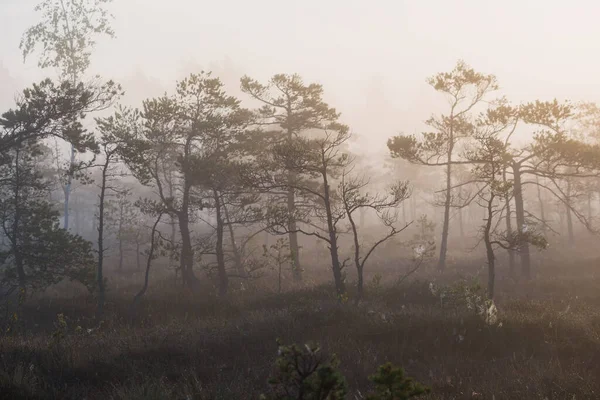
{"points": [[290, 109], [66, 37], [465, 89]]}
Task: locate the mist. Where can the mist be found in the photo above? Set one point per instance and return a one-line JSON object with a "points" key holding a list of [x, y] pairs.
{"points": [[298, 200]]}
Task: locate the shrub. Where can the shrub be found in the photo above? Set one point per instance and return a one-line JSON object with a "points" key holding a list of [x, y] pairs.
{"points": [[306, 374], [391, 384]]}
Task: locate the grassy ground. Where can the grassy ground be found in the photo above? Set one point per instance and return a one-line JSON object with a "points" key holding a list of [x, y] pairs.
{"points": [[185, 346]]}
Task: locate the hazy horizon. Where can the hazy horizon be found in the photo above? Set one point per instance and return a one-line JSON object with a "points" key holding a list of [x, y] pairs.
{"points": [[541, 50]]}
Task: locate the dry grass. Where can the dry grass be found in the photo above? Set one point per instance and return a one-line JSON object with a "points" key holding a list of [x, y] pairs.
{"points": [[185, 346]]}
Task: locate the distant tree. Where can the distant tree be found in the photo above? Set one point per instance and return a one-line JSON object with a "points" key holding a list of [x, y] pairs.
{"points": [[123, 219], [111, 131], [156, 210], [66, 37], [291, 109], [466, 89], [277, 255], [354, 198]]}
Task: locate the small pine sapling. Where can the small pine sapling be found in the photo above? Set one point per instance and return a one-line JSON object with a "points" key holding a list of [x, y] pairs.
{"points": [[305, 374], [391, 384]]}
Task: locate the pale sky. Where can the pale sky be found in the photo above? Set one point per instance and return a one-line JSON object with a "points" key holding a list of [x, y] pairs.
{"points": [[537, 49]]}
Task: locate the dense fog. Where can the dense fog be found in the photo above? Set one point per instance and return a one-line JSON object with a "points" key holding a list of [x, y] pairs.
{"points": [[299, 200]]}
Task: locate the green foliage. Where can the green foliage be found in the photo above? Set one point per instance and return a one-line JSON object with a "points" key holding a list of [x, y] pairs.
{"points": [[66, 33], [49, 109], [305, 374], [391, 384], [39, 253]]}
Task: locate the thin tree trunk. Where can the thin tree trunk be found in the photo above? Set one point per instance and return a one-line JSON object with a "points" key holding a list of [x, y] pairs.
{"points": [[67, 190], [100, 271], [77, 216], [509, 230], [237, 257], [541, 202], [357, 263], [139, 295], [293, 236], [333, 247], [222, 272], [16, 245], [187, 251], [520, 214], [569, 215], [446, 225], [121, 235], [490, 249], [187, 254]]}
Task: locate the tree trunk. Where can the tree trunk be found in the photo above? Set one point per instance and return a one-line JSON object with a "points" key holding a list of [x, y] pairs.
{"points": [[357, 262], [67, 190], [100, 271], [222, 272], [77, 216], [237, 256], [16, 228], [333, 247], [120, 234], [569, 215], [139, 295], [489, 249], [187, 253], [520, 214], [293, 235], [446, 226], [541, 202], [509, 230]]}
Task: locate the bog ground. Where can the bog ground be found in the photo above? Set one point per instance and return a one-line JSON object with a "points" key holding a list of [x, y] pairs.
{"points": [[545, 344]]}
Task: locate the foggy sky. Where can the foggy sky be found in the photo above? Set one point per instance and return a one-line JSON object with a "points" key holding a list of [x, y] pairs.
{"points": [[537, 49]]}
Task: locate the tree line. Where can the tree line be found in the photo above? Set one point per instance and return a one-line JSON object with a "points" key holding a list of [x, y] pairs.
{"points": [[211, 175]]}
